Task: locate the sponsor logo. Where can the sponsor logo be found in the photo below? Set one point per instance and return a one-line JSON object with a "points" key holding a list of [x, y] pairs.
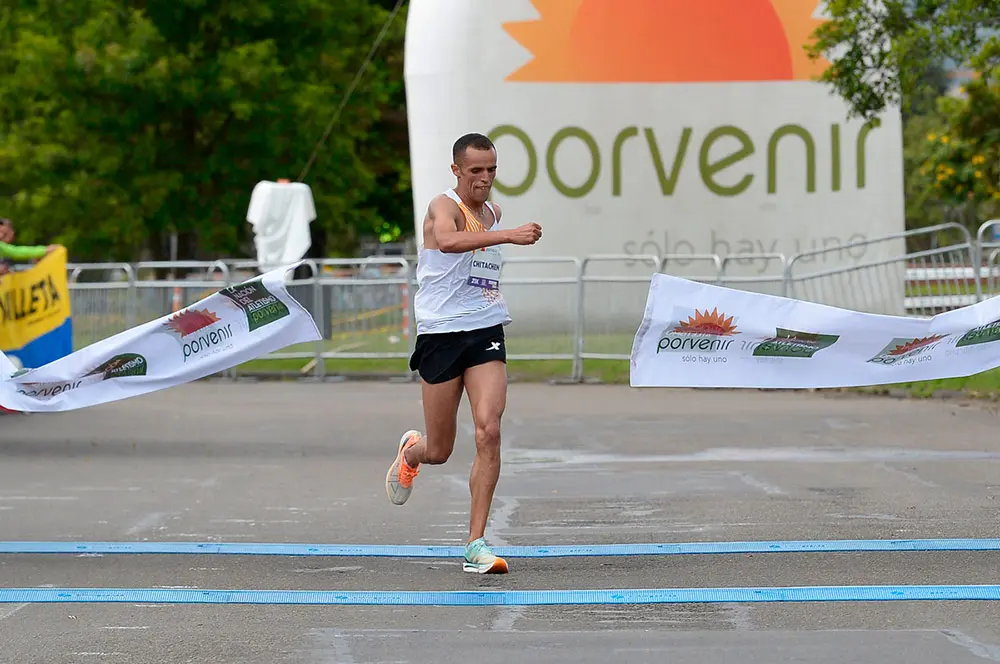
{"points": [[120, 366], [667, 41], [907, 350], [792, 343], [47, 390], [260, 306], [199, 332], [713, 42], [700, 333], [983, 334], [672, 160]]}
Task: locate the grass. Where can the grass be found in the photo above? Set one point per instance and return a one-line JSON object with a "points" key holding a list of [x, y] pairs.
{"points": [[985, 385], [917, 289], [614, 372], [386, 342]]}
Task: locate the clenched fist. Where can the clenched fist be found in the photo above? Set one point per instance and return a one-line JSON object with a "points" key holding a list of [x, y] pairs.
{"points": [[526, 234]]}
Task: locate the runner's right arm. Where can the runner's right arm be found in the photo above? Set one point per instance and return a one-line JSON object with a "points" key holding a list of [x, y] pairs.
{"points": [[22, 252], [445, 217]]}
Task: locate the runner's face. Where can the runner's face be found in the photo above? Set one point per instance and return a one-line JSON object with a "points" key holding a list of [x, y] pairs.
{"points": [[476, 170]]}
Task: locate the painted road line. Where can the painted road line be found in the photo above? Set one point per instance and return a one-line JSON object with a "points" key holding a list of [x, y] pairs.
{"points": [[502, 597], [561, 551]]}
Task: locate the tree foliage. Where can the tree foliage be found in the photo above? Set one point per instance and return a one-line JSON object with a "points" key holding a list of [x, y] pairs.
{"points": [[892, 53], [123, 121], [882, 49], [962, 160]]}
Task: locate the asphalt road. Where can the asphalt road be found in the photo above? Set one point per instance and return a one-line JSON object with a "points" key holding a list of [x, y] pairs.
{"points": [[222, 462]]}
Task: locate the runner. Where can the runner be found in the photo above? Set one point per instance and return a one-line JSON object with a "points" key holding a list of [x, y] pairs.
{"points": [[460, 316]]}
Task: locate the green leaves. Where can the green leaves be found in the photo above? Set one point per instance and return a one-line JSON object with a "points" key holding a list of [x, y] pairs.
{"points": [[882, 49], [119, 125], [964, 158], [890, 54]]}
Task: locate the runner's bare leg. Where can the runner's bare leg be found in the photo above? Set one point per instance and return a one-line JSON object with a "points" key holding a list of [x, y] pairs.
{"points": [[486, 385], [441, 402]]}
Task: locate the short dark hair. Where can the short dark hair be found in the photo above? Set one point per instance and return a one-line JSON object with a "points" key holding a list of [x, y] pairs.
{"points": [[477, 141]]}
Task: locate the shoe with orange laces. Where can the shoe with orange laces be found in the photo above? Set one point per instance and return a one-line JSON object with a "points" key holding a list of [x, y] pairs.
{"points": [[399, 479]]}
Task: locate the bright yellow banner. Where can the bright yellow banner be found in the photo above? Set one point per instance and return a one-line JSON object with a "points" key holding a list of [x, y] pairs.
{"points": [[33, 302]]}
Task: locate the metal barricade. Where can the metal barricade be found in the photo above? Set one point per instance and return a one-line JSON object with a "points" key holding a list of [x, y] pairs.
{"points": [[992, 268], [765, 281], [566, 309], [159, 297], [893, 282], [546, 310], [100, 308], [369, 309], [989, 274], [616, 314], [683, 260]]}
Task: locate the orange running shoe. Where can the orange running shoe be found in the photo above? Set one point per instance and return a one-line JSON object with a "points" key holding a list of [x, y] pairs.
{"points": [[399, 479]]}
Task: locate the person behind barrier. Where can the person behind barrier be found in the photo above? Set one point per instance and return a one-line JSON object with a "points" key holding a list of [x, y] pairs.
{"points": [[11, 252], [460, 316]]}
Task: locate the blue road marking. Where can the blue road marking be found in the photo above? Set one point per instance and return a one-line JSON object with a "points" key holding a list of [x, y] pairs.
{"points": [[560, 551], [501, 597]]}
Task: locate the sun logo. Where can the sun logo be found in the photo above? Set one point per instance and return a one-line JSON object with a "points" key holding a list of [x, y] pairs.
{"points": [[903, 349], [189, 322], [713, 323], [668, 41]]}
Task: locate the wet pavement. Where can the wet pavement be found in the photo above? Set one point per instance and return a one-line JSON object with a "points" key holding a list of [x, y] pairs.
{"points": [[301, 463]]}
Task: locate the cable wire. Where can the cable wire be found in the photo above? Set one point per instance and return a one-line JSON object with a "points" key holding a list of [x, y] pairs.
{"points": [[350, 90]]}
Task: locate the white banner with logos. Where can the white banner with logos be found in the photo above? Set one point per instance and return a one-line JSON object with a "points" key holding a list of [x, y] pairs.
{"points": [[234, 325], [700, 335]]}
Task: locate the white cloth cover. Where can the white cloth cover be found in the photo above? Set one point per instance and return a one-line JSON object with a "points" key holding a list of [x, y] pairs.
{"points": [[280, 213]]}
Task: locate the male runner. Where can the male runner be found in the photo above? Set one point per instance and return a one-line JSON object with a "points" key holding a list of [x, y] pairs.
{"points": [[460, 316]]}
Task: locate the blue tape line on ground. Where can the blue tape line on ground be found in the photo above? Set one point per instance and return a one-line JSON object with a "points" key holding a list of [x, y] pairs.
{"points": [[415, 551], [502, 597]]}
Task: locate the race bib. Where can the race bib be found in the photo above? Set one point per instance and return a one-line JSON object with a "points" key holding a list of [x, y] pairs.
{"points": [[485, 271]]}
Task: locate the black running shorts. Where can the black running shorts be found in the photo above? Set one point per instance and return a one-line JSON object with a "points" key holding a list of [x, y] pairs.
{"points": [[441, 357]]}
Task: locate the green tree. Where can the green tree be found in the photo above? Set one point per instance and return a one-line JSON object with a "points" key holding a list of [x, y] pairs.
{"points": [[881, 51], [388, 146], [891, 54], [962, 160], [930, 86], [125, 121]]}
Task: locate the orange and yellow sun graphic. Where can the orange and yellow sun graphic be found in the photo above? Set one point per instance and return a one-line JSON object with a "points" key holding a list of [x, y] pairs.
{"points": [[668, 41], [903, 349], [189, 322], [707, 323]]}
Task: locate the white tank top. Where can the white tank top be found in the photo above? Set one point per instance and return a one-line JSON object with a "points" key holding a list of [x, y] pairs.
{"points": [[460, 292]]}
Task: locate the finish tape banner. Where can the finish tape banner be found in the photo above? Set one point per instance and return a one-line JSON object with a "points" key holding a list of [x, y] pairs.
{"points": [[235, 325], [700, 335], [36, 325]]}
